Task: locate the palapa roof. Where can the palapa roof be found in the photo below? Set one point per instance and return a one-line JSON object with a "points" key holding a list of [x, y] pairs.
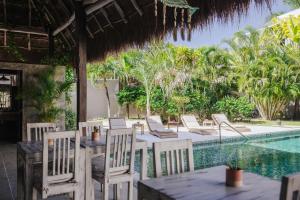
{"points": [[112, 25]]}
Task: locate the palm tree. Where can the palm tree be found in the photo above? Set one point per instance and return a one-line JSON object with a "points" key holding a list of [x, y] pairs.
{"points": [[293, 3], [264, 71]]}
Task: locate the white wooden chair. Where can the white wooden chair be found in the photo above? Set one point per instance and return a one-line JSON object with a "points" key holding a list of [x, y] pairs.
{"points": [[86, 128], [36, 131], [60, 170], [178, 157], [117, 123], [118, 166], [290, 187]]}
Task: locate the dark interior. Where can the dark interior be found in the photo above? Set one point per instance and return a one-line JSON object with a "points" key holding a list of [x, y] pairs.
{"points": [[10, 106]]}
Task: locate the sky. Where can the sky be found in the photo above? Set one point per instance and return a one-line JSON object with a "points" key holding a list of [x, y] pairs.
{"points": [[217, 32]]}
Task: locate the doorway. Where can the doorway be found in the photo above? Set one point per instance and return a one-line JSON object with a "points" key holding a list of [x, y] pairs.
{"points": [[10, 106]]}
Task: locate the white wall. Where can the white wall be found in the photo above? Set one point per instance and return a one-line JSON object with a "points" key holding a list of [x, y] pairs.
{"points": [[97, 101]]}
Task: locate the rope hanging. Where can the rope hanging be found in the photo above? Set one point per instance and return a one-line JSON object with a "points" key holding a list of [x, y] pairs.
{"points": [[177, 5]]}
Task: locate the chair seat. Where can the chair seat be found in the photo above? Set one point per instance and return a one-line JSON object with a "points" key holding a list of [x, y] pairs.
{"points": [[98, 166]]}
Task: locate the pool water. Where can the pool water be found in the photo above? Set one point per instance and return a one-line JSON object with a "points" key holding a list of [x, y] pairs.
{"points": [[272, 158]]}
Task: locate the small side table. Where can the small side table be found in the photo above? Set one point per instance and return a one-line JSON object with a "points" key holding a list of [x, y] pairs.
{"points": [[173, 123], [208, 122], [141, 126]]}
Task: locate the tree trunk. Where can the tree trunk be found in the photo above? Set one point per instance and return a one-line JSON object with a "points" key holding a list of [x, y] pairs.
{"points": [[148, 104], [107, 96], [296, 110], [127, 108]]}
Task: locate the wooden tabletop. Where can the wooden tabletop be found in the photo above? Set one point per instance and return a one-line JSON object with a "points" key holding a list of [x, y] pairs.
{"points": [[208, 184]]}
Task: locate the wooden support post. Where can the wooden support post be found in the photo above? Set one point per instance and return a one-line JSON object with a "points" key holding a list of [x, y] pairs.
{"points": [[50, 43], [80, 60]]}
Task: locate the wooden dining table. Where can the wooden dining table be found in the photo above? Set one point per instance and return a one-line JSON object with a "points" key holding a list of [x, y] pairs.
{"points": [[30, 154], [208, 184]]}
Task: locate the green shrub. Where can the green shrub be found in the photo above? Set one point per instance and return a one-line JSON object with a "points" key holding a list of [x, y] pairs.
{"points": [[70, 120], [235, 108]]}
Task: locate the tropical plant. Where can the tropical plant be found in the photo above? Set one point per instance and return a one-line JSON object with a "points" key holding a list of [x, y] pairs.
{"points": [[293, 3], [129, 95], [235, 108], [146, 65], [99, 73], [42, 92], [263, 71]]}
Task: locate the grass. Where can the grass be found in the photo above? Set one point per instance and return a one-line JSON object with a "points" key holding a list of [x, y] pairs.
{"points": [[273, 122]]}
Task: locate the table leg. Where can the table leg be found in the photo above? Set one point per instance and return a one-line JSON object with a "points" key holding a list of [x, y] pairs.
{"points": [[20, 176], [28, 179], [143, 161], [89, 186]]}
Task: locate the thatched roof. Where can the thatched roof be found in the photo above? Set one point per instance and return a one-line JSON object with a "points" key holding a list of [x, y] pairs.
{"points": [[112, 25]]}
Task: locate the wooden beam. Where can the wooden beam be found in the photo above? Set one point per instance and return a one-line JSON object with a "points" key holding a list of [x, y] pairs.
{"points": [[88, 10], [80, 61], [50, 43], [136, 6], [121, 12], [104, 13], [25, 30], [4, 12], [97, 6]]}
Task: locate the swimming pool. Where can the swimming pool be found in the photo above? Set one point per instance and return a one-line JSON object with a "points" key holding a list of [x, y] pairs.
{"points": [[271, 155]]}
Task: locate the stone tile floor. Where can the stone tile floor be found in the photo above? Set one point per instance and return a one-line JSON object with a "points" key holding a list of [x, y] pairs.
{"points": [[8, 176]]}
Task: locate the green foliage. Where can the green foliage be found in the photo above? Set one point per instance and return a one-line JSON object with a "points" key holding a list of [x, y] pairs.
{"points": [[129, 94], [293, 3], [13, 49], [70, 119], [235, 108], [42, 92]]}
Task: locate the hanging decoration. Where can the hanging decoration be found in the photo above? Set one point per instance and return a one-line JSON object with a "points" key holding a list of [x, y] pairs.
{"points": [[178, 5]]}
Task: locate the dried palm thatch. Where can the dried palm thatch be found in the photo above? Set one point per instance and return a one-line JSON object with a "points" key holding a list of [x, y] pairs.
{"points": [[119, 24]]}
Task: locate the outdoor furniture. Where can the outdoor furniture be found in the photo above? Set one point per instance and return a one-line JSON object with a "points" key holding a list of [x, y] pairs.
{"points": [[141, 126], [86, 128], [157, 128], [173, 123], [290, 187], [207, 184], [207, 122], [221, 119], [177, 154], [117, 123], [29, 153], [191, 123], [118, 166], [35, 131], [63, 175]]}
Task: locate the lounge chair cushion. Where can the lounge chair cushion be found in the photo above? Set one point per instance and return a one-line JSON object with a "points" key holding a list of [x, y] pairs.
{"points": [[203, 131]]}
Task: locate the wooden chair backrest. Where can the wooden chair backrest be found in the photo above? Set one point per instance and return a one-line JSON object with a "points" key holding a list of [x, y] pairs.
{"points": [[63, 157], [117, 123], [86, 128], [119, 155], [290, 187], [36, 131], [154, 123], [190, 121], [178, 157]]}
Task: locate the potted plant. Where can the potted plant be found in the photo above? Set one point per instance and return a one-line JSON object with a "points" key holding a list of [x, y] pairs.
{"points": [[234, 170]]}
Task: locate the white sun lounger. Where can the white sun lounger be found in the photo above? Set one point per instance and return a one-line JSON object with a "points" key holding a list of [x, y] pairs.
{"points": [[221, 119], [157, 128], [191, 123]]}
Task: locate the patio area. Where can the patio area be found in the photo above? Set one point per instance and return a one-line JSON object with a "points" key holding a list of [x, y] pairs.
{"points": [[8, 182]]}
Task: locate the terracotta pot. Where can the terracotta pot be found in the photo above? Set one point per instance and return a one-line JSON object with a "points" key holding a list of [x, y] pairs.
{"points": [[234, 177], [50, 142], [96, 136]]}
